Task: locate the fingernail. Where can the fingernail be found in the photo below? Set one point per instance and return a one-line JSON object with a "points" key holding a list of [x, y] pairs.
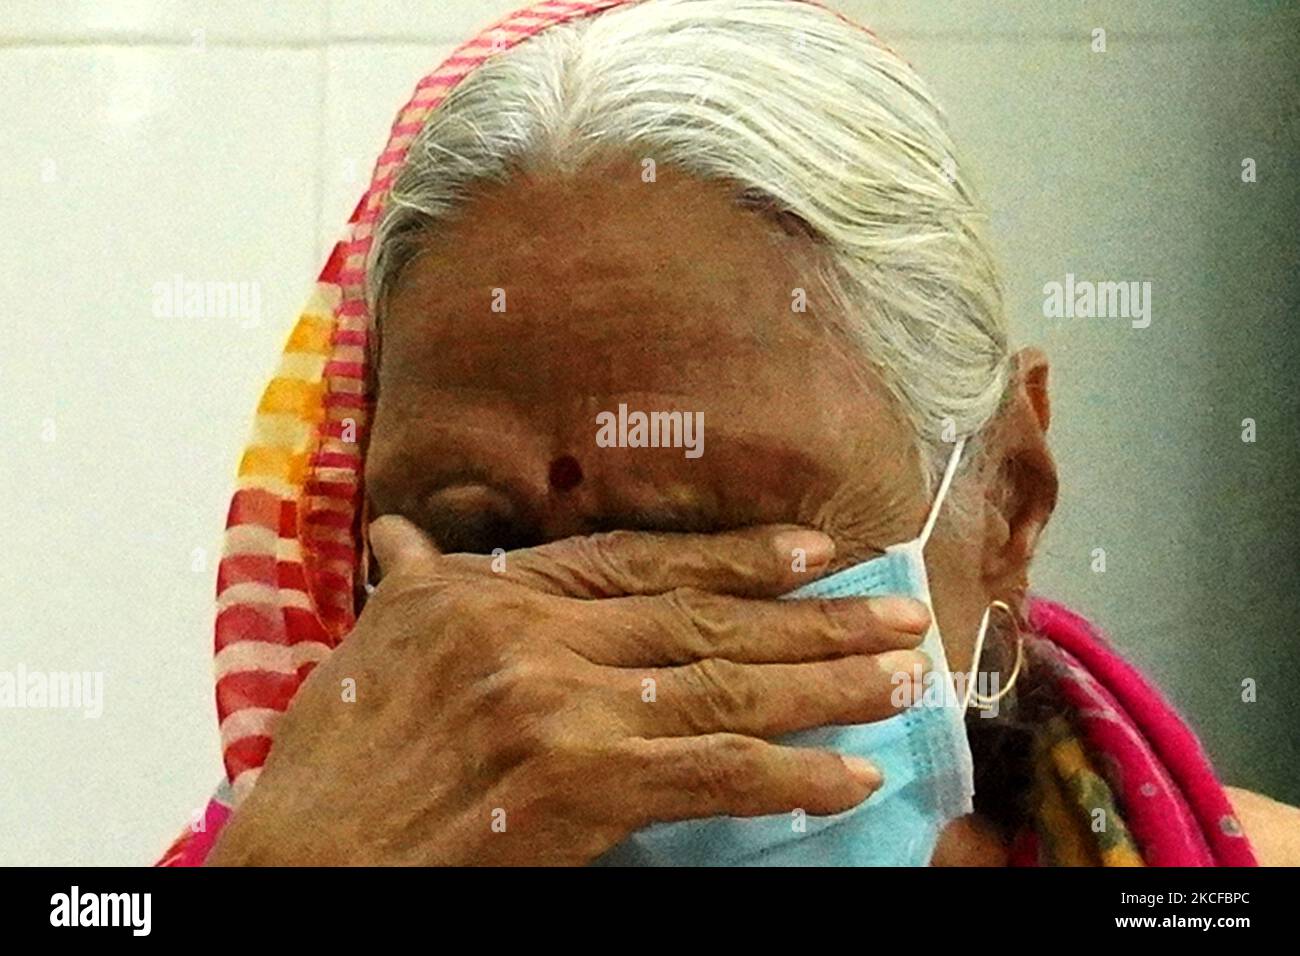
{"points": [[864, 771], [907, 614], [810, 550]]}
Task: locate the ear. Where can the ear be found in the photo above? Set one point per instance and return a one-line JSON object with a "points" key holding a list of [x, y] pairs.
{"points": [[1022, 493]]}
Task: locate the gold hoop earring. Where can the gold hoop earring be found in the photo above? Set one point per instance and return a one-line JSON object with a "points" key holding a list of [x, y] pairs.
{"points": [[982, 701]]}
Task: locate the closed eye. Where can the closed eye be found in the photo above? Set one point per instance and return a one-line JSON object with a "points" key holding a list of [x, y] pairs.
{"points": [[474, 519]]}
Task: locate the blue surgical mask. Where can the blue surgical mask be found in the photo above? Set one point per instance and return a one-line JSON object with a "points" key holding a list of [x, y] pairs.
{"points": [[922, 752]]}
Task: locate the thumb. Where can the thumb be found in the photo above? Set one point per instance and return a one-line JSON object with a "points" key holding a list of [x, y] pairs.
{"points": [[398, 545]]}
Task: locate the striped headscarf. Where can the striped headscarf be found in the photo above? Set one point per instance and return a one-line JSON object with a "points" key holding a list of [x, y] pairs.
{"points": [[294, 553], [287, 582]]}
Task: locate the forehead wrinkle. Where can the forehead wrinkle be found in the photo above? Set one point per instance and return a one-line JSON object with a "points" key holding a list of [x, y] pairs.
{"points": [[670, 299], [644, 245]]}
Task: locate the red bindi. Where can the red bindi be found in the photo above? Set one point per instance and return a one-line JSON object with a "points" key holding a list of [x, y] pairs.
{"points": [[565, 473]]}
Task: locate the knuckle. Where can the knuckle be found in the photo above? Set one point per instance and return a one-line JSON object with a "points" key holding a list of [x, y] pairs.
{"points": [[491, 623], [528, 682], [831, 620], [722, 768], [716, 692], [519, 685], [533, 745], [613, 542], [599, 563], [690, 616], [461, 603], [845, 688], [537, 794], [539, 734], [745, 555], [608, 552]]}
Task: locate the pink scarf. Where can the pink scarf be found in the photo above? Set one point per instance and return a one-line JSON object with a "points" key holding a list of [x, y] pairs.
{"points": [[1173, 804]]}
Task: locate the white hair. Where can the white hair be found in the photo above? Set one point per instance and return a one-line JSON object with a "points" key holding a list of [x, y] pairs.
{"points": [[792, 103]]}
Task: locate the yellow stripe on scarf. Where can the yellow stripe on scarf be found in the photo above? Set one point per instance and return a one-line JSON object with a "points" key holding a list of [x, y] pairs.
{"points": [[292, 404], [1075, 811], [311, 334]]}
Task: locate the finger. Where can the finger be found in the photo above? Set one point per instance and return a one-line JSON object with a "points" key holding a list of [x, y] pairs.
{"points": [[765, 700], [399, 546], [756, 562], [728, 774], [686, 625]]}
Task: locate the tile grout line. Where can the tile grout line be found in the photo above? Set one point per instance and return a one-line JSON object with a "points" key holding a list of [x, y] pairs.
{"points": [[1262, 31]]}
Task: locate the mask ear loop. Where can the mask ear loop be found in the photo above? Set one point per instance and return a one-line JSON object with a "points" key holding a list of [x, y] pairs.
{"points": [[933, 517], [986, 702]]}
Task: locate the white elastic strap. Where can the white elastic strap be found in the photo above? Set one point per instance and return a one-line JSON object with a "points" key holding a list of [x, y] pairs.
{"points": [[948, 472], [975, 657]]}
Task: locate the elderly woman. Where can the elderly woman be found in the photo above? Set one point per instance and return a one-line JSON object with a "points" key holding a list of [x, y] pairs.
{"points": [[539, 611]]}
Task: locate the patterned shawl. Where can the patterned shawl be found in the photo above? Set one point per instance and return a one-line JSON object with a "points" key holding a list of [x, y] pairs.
{"points": [[294, 547]]}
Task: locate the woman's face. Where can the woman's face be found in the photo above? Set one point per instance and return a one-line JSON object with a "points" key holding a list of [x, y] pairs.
{"points": [[554, 299]]}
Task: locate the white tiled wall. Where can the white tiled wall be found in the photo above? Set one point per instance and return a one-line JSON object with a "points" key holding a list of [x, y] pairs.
{"points": [[143, 139]]}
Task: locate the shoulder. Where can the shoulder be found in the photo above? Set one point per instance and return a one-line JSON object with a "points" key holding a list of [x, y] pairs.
{"points": [[1273, 828]]}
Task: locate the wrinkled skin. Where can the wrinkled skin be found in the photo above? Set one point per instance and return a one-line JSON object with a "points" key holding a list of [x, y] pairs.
{"points": [[519, 698], [519, 690]]}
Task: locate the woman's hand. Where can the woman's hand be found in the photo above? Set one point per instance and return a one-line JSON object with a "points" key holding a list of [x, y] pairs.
{"points": [[541, 712]]}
